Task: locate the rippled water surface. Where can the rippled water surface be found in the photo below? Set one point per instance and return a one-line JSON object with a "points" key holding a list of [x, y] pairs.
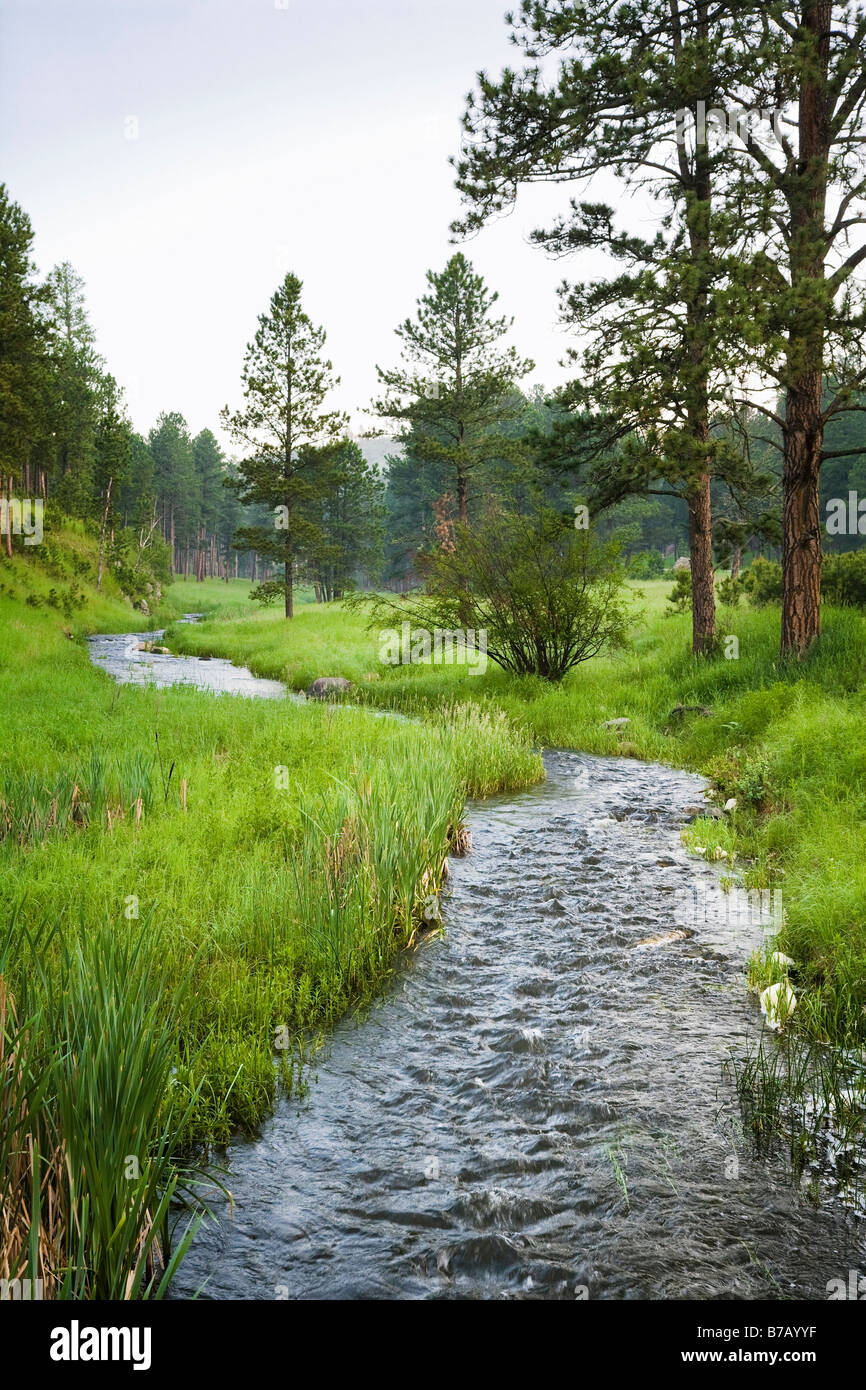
{"points": [[119, 655], [538, 1109]]}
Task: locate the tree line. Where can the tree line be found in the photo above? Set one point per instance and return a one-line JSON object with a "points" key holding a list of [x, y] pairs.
{"points": [[170, 503]]}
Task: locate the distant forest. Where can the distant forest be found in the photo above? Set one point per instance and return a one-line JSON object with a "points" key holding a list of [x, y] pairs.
{"points": [[173, 503]]}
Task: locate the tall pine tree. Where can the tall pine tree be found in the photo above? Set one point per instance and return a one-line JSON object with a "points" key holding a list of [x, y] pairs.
{"points": [[284, 430]]}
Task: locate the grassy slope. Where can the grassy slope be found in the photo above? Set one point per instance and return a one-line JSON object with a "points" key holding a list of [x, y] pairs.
{"points": [[286, 902], [786, 742]]}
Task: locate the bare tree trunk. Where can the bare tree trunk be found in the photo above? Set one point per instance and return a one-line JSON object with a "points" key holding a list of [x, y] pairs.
{"points": [[803, 435], [290, 604], [701, 555], [102, 536], [801, 519]]}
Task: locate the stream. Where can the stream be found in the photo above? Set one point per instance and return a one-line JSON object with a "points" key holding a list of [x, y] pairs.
{"points": [[538, 1108]]}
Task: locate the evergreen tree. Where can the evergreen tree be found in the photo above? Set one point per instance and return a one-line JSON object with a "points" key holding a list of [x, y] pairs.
{"points": [[210, 472], [77, 380], [112, 455], [626, 74], [350, 519], [174, 480], [454, 389], [22, 347], [799, 197], [285, 432]]}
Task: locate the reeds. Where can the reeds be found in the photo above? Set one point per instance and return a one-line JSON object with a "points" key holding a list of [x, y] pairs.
{"points": [[35, 807], [88, 1125], [805, 1102]]}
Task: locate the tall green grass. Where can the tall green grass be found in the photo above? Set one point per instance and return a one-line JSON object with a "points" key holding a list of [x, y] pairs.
{"points": [[90, 1129]]}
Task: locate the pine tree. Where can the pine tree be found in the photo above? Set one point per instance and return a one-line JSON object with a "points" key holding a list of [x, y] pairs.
{"points": [[800, 196], [210, 471], [285, 432], [626, 76], [454, 388], [350, 518], [112, 455], [174, 480], [22, 349], [77, 379]]}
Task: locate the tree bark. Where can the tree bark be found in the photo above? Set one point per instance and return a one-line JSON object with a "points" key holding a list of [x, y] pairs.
{"points": [[803, 435], [801, 518], [102, 536], [701, 556]]}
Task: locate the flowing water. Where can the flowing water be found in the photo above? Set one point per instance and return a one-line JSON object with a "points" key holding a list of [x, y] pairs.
{"points": [[123, 657], [538, 1109]]}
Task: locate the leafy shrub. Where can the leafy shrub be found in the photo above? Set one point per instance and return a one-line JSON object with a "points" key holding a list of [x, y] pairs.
{"points": [[647, 564], [762, 582], [746, 776], [843, 580], [547, 596]]}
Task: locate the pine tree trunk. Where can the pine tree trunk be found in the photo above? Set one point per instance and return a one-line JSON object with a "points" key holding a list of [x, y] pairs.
{"points": [[736, 561], [804, 425], [462, 490], [701, 557], [102, 536], [801, 517]]}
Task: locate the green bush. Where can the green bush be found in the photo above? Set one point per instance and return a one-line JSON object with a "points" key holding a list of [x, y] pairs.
{"points": [[647, 564], [843, 580], [763, 582]]}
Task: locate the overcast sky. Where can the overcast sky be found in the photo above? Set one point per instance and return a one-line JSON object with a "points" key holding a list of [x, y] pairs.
{"points": [[184, 154]]}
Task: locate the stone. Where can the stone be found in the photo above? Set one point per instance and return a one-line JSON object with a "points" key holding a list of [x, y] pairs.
{"points": [[142, 606], [679, 712], [615, 723], [325, 686], [779, 958]]}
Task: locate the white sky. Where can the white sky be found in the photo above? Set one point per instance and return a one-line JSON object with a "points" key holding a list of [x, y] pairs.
{"points": [[272, 135]]}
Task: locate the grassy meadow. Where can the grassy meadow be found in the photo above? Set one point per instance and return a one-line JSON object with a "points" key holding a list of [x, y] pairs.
{"points": [[784, 741], [237, 872], [196, 888]]}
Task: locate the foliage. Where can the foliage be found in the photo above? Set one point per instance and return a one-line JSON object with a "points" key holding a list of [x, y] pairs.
{"points": [[844, 579], [646, 564], [547, 596], [288, 437], [454, 390], [680, 596], [730, 591], [762, 582]]}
